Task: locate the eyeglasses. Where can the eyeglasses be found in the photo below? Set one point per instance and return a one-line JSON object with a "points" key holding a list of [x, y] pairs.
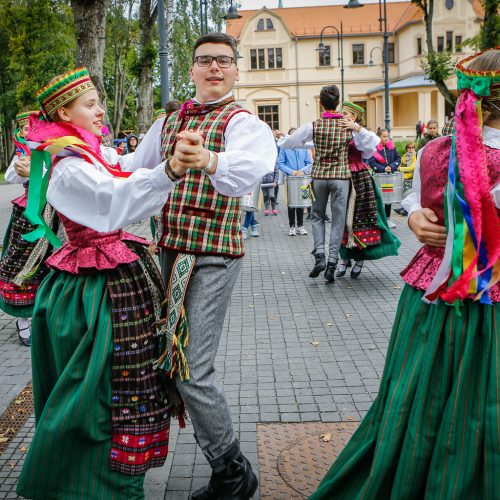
{"points": [[410, 147], [222, 61]]}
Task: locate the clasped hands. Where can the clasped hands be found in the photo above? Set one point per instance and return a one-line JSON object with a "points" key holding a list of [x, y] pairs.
{"points": [[190, 154], [22, 167]]}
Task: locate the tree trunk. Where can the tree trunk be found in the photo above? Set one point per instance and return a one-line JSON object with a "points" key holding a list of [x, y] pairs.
{"points": [[169, 23], [146, 58], [90, 30], [491, 31]]}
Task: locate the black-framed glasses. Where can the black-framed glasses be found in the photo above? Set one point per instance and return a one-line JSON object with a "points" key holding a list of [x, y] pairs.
{"points": [[222, 61]]}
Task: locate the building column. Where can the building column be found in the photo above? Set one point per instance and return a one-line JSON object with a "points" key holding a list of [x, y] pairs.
{"points": [[441, 118], [424, 106]]}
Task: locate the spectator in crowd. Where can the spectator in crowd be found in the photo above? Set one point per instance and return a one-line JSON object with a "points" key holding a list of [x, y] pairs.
{"points": [[385, 159], [295, 162], [431, 133]]}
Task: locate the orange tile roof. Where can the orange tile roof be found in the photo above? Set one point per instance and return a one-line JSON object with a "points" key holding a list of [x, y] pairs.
{"points": [[308, 21]]}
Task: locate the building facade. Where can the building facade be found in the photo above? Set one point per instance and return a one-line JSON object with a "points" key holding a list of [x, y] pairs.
{"points": [[282, 71]]}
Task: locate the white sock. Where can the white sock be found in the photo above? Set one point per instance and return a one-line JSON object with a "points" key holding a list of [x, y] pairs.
{"points": [[24, 327]]}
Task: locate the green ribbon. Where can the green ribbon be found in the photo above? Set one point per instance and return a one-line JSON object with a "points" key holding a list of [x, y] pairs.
{"points": [[480, 85], [37, 199]]}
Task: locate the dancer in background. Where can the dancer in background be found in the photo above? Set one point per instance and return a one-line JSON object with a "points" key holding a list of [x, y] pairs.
{"points": [[21, 264], [366, 235]]}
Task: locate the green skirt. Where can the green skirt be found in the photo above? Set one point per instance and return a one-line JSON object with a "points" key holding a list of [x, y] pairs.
{"points": [[434, 430], [72, 344], [387, 247]]}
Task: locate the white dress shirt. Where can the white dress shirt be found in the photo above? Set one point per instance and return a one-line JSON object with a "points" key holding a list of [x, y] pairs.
{"points": [[92, 196], [249, 153], [491, 138], [365, 141]]}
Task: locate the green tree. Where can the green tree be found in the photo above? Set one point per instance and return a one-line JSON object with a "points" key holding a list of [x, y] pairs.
{"points": [[437, 66], [37, 43]]}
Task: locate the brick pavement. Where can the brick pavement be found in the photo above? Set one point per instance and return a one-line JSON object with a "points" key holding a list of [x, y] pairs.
{"points": [[293, 350]]}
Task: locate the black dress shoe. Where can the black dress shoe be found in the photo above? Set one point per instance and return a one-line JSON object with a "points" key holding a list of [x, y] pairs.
{"points": [[24, 340], [319, 265], [232, 478], [343, 269], [330, 272], [356, 270]]}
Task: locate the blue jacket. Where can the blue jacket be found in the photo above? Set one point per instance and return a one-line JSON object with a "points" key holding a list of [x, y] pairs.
{"points": [[294, 159], [390, 156]]}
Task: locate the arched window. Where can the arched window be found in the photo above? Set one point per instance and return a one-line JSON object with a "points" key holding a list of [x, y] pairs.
{"points": [[260, 25], [269, 24]]}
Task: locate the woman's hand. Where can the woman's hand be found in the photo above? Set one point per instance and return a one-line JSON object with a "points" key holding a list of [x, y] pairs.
{"points": [[388, 169], [423, 223], [22, 167], [351, 124]]}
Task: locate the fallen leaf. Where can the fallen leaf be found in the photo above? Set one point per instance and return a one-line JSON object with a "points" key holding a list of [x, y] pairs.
{"points": [[348, 286], [397, 287], [371, 347], [315, 343], [350, 419], [348, 315], [329, 324], [3, 440], [23, 449], [326, 437], [19, 401], [251, 305]]}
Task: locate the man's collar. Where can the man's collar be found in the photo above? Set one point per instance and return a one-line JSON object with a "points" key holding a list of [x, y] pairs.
{"points": [[229, 94]]}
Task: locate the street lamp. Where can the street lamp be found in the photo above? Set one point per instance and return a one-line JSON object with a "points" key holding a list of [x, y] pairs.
{"points": [[370, 62], [354, 4], [232, 13], [340, 51], [203, 16], [163, 53]]}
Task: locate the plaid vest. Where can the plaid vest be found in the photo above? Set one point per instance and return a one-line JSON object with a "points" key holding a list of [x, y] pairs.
{"points": [[331, 144], [196, 218]]}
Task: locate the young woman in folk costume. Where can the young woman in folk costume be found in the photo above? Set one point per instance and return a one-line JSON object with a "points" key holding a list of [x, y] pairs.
{"points": [[21, 265], [366, 235], [100, 405], [433, 430]]}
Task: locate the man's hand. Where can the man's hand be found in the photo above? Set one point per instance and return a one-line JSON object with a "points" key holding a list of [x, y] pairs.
{"points": [[388, 169], [423, 223], [22, 167], [351, 124]]}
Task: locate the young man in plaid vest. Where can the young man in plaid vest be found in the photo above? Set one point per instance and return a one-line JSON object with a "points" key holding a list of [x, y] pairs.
{"points": [[202, 244], [330, 177]]}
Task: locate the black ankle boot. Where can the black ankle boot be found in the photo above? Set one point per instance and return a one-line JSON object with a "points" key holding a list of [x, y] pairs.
{"points": [[232, 478], [330, 272], [319, 265]]}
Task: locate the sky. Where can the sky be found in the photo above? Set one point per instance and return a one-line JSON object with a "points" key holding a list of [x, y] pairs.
{"points": [[257, 4]]}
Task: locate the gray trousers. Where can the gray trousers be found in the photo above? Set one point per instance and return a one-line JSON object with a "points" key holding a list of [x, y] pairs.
{"points": [[206, 301], [338, 190]]}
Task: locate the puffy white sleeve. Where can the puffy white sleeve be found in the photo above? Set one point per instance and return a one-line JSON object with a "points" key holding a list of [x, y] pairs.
{"points": [[496, 195], [412, 201], [300, 139], [11, 175], [366, 141], [250, 153], [91, 196], [148, 152]]}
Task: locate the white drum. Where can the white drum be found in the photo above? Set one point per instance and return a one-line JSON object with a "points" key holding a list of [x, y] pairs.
{"points": [[298, 191], [390, 186], [250, 201]]}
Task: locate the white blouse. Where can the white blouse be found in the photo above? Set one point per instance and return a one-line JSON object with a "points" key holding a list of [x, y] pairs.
{"points": [[11, 175], [249, 153], [91, 196], [491, 138]]}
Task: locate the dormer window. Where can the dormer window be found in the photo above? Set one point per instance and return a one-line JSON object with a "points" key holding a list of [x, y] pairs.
{"points": [[265, 24]]}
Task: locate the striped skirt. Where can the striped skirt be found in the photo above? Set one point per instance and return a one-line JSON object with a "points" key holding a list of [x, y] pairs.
{"points": [[434, 430], [74, 348]]}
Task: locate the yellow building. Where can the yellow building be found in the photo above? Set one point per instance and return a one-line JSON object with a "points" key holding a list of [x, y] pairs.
{"points": [[282, 72]]}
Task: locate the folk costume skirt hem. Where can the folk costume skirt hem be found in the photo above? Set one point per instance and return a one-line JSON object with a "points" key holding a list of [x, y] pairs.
{"points": [[389, 243], [434, 430], [72, 348]]}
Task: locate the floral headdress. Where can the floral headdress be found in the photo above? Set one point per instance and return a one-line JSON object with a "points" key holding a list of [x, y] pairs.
{"points": [[471, 264]]}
